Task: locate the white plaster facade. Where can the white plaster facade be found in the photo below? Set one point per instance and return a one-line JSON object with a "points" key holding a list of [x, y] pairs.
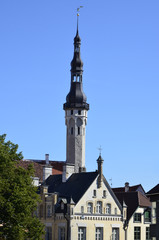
{"points": [[75, 120]]}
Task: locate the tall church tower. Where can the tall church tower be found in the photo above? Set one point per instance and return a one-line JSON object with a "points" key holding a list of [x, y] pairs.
{"points": [[76, 109]]}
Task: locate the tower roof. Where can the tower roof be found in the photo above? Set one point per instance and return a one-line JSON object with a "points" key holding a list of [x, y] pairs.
{"points": [[76, 97]]}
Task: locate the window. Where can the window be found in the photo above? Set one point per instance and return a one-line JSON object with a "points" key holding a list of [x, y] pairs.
{"points": [[99, 233], [137, 233], [48, 235], [49, 211], [61, 233], [94, 193], [90, 207], [99, 207], [82, 209], [79, 112], [147, 216], [71, 112], [71, 130], [104, 194], [108, 208], [81, 233], [78, 130], [115, 211], [115, 233], [148, 233], [137, 217]]}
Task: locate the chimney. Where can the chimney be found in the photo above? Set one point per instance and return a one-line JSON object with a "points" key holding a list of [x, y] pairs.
{"points": [[47, 169], [47, 158], [126, 187], [100, 170]]}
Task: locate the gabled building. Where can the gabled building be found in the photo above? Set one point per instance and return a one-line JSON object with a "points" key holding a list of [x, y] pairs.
{"points": [[137, 211], [153, 194], [82, 207]]}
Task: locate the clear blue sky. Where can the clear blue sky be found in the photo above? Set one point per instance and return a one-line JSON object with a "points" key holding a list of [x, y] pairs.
{"points": [[120, 51]]}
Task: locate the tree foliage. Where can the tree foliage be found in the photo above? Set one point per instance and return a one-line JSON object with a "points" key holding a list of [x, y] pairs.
{"points": [[18, 197]]}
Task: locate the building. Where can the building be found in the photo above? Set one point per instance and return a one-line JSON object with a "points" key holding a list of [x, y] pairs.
{"points": [[137, 211], [78, 204], [153, 194], [82, 207], [43, 168]]}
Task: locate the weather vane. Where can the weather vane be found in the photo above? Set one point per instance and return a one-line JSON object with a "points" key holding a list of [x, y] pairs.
{"points": [[100, 150], [78, 10]]}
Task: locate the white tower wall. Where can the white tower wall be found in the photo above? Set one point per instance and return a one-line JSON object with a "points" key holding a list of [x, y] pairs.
{"points": [[76, 121]]}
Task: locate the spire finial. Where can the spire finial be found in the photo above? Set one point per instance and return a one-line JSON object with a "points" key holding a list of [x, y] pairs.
{"points": [[100, 150], [78, 10]]}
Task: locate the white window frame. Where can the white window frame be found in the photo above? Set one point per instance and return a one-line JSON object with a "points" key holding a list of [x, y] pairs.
{"points": [[99, 233], [81, 233], [99, 207]]}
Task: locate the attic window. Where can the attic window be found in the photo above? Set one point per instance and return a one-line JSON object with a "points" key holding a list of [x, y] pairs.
{"points": [[90, 207], [99, 207], [137, 217], [108, 208], [94, 193], [115, 211], [104, 193], [82, 209]]}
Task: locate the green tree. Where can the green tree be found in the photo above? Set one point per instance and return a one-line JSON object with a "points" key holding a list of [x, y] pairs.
{"points": [[18, 196]]}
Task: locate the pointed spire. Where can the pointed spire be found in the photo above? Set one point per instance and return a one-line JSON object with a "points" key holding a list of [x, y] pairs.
{"points": [[76, 96]]}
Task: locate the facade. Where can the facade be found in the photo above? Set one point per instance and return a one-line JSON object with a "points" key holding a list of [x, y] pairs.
{"points": [[83, 207], [137, 211], [153, 194]]}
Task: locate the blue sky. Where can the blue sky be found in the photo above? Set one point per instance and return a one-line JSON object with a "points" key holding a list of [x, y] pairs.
{"points": [[120, 51]]}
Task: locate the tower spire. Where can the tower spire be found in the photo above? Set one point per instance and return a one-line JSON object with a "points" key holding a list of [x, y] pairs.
{"points": [[76, 108]]}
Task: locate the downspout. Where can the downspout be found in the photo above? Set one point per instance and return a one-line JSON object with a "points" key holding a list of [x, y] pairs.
{"points": [[68, 226]]}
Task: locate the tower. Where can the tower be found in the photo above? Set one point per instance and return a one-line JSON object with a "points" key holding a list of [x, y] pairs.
{"points": [[76, 109]]}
